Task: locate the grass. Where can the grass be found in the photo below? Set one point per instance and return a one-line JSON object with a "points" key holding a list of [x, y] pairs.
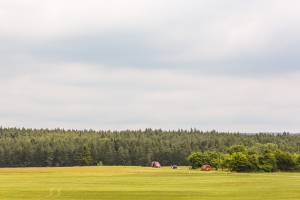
{"points": [[143, 183]]}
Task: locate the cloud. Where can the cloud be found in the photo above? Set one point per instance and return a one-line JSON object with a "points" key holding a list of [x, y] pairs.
{"points": [[209, 36], [102, 98], [226, 65]]}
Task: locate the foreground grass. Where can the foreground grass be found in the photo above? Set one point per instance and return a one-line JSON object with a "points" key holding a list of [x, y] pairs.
{"points": [[144, 183]]}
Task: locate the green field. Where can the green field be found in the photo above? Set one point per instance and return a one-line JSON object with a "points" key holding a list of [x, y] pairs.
{"points": [[144, 183]]}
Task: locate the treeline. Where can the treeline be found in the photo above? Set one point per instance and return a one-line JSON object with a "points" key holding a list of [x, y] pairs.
{"points": [[59, 147], [258, 158]]}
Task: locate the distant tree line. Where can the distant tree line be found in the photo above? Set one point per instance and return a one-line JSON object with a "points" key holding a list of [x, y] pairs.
{"points": [[258, 158], [59, 147]]}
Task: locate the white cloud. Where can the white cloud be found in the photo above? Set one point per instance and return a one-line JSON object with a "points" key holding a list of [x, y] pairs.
{"points": [[79, 96], [224, 65]]}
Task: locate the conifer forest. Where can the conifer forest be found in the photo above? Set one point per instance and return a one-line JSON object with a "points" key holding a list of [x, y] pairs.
{"points": [[59, 147]]}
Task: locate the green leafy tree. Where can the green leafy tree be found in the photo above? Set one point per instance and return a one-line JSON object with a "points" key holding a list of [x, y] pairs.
{"points": [[267, 162], [85, 157], [253, 163], [195, 159], [198, 159], [213, 159], [239, 162], [285, 161], [271, 146], [216, 163], [237, 148], [225, 161]]}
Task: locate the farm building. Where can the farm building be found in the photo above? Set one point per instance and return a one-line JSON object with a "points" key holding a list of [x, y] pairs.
{"points": [[155, 164], [205, 168]]}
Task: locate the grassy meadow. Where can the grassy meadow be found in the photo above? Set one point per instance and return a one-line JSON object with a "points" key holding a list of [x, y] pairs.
{"points": [[115, 182]]}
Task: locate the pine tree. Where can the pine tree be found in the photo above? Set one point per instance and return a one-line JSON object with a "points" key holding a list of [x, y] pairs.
{"points": [[85, 157]]}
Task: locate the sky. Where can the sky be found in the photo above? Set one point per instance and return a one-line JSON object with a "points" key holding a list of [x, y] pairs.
{"points": [[231, 66]]}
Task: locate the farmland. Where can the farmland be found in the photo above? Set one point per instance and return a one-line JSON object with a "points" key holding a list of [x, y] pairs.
{"points": [[117, 182]]}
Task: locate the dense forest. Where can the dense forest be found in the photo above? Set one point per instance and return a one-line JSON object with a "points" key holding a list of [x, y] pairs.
{"points": [[59, 147]]}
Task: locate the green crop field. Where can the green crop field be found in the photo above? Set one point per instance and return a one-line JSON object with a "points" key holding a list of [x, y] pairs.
{"points": [[144, 183]]}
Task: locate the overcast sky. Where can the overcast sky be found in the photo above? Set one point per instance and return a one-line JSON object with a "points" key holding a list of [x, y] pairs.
{"points": [[114, 65]]}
